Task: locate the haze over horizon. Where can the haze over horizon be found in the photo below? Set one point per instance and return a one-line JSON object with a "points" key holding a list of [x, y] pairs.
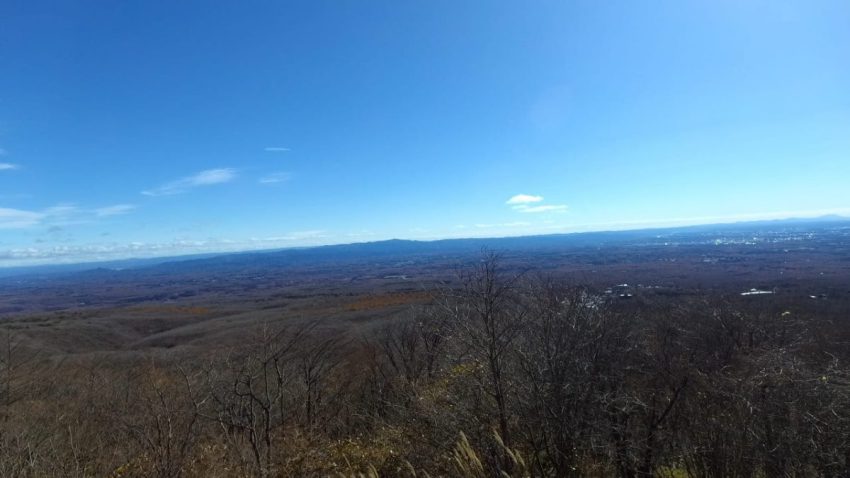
{"points": [[160, 129]]}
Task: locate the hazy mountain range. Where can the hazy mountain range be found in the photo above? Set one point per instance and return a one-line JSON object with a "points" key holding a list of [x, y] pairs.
{"points": [[398, 248]]}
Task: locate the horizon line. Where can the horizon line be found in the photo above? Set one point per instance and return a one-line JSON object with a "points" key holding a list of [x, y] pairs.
{"points": [[638, 226]]}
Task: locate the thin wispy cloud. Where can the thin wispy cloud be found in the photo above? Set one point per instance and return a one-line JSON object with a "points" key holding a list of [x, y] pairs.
{"points": [[60, 215], [67, 215], [208, 177], [505, 224], [18, 218], [275, 178], [275, 149], [312, 234], [115, 210], [8, 166], [62, 210], [524, 199], [363, 233], [541, 208], [111, 250], [292, 236]]}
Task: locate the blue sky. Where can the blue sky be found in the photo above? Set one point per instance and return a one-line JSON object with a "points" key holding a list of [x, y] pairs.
{"points": [[158, 128]]}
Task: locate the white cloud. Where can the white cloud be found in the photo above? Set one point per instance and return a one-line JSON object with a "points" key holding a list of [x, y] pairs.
{"points": [[275, 178], [293, 236], [71, 253], [56, 216], [524, 199], [315, 234], [504, 224], [363, 233], [211, 176], [275, 149], [67, 215], [523, 203], [62, 210], [541, 208], [115, 210], [203, 178], [19, 219], [8, 166], [71, 214], [59, 215]]}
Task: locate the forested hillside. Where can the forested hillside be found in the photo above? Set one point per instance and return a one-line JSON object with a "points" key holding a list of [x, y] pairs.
{"points": [[498, 374]]}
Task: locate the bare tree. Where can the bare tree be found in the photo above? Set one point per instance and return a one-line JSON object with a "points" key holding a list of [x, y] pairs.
{"points": [[249, 393], [569, 349], [316, 363], [18, 365], [160, 411], [488, 315], [413, 347]]}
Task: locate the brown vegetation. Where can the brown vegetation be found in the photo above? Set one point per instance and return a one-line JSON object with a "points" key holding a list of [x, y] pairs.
{"points": [[375, 301], [500, 374]]}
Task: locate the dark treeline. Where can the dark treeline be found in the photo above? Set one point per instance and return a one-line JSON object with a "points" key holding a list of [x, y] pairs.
{"points": [[501, 375]]}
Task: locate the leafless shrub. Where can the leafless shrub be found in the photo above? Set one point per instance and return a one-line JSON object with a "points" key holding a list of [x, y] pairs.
{"points": [[249, 395]]}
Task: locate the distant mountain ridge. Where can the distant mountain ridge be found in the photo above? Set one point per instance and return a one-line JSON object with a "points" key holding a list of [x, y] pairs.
{"points": [[365, 251]]}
